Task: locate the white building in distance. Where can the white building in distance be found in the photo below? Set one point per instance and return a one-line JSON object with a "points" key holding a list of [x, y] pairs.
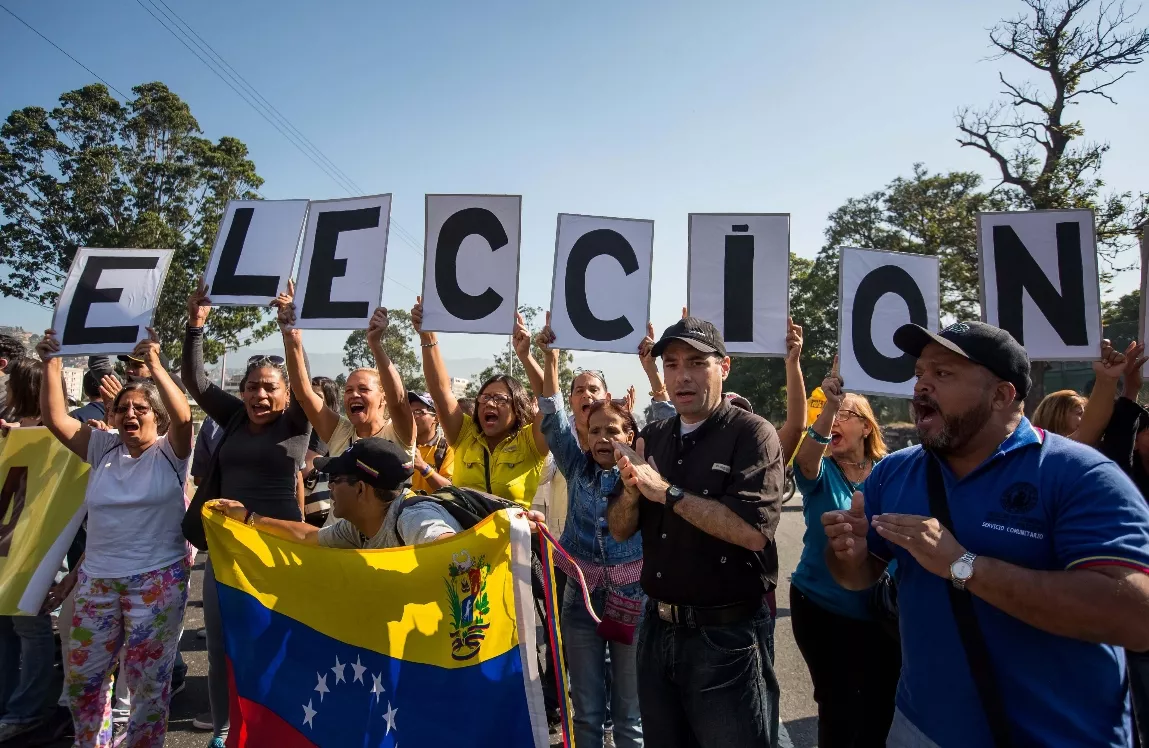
{"points": [[459, 386]]}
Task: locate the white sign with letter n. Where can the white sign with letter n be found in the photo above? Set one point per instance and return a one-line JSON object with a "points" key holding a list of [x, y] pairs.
{"points": [[1039, 281]]}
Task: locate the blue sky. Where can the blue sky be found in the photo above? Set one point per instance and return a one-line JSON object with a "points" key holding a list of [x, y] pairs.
{"points": [[637, 109]]}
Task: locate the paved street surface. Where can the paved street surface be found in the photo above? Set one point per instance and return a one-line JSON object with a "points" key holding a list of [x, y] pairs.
{"points": [[798, 709]]}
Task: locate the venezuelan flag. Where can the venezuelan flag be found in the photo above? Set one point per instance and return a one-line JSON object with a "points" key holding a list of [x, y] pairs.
{"points": [[430, 646]]}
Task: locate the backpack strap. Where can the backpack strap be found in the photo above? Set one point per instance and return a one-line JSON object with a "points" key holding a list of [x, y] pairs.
{"points": [[972, 638], [440, 452]]}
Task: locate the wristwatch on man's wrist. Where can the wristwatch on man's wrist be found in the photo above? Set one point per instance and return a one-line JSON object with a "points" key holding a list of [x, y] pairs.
{"points": [[961, 571], [674, 495]]}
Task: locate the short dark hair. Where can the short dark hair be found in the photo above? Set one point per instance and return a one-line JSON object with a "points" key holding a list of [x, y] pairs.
{"points": [[152, 395], [24, 377], [11, 348], [330, 391], [520, 401], [387, 495], [91, 384]]}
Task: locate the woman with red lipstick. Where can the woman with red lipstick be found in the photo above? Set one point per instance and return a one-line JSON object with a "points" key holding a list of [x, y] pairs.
{"points": [[499, 447], [855, 693]]}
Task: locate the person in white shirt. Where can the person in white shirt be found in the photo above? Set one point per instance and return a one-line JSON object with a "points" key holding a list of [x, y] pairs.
{"points": [[132, 584]]}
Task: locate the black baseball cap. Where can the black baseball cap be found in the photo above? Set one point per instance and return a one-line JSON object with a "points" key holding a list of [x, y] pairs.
{"points": [[164, 360], [377, 462], [986, 345], [423, 398], [697, 333]]}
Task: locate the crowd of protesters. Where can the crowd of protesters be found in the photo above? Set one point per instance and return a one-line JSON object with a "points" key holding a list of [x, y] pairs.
{"points": [[987, 587]]}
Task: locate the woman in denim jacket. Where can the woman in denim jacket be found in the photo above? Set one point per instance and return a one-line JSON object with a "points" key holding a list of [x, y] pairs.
{"points": [[609, 567]]}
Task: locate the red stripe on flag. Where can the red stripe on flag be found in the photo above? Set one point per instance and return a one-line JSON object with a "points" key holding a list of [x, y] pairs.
{"points": [[254, 725]]}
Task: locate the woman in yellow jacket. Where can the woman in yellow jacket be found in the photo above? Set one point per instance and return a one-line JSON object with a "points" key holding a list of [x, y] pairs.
{"points": [[499, 447]]}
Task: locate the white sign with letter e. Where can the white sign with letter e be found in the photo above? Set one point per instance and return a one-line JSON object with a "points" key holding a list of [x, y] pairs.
{"points": [[108, 299]]}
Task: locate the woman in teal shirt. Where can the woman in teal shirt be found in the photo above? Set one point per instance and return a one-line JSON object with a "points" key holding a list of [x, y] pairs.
{"points": [[853, 662]]}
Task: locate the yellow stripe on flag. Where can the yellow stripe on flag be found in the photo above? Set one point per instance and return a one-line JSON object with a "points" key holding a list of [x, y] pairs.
{"points": [[42, 487], [401, 602]]}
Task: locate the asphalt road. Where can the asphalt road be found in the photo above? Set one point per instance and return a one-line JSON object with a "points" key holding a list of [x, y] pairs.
{"points": [[799, 712]]}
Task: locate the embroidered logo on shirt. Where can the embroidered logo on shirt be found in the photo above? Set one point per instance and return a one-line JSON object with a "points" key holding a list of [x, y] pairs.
{"points": [[720, 467], [1020, 498]]}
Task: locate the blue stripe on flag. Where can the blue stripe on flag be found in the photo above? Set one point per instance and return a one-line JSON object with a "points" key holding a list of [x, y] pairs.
{"points": [[291, 669]]}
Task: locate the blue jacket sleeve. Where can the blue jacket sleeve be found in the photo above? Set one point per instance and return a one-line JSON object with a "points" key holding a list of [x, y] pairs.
{"points": [[569, 457], [660, 410]]}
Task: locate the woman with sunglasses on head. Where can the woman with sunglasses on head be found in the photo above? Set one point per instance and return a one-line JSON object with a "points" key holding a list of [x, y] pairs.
{"points": [[499, 447], [256, 462], [368, 394], [855, 694], [132, 584], [611, 568]]}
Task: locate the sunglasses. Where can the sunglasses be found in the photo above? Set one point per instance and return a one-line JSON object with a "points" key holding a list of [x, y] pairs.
{"points": [[276, 360]]}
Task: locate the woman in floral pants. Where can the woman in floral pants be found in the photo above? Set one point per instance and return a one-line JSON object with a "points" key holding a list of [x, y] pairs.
{"points": [[143, 612], [132, 584]]}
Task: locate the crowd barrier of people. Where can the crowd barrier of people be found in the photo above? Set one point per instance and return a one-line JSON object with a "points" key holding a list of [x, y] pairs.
{"points": [[987, 587]]}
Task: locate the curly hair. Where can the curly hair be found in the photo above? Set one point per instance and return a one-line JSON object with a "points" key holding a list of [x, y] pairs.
{"points": [[521, 403]]}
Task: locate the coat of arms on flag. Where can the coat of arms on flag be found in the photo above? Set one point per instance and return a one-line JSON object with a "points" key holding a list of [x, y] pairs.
{"points": [[330, 647]]}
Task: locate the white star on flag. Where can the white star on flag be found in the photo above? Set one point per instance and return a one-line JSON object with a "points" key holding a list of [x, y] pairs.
{"points": [[338, 670], [377, 686], [308, 714], [359, 670], [389, 715], [322, 686]]}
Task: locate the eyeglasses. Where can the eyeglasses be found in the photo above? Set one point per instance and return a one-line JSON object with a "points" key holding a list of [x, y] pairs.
{"points": [[141, 410], [497, 398], [593, 373], [845, 415], [275, 360], [335, 480], [421, 413]]}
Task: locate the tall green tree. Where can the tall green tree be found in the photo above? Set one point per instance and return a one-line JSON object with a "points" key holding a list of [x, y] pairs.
{"points": [[397, 341], [507, 362], [94, 172], [1076, 50]]}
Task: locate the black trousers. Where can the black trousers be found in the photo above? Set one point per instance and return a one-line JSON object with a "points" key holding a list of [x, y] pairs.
{"points": [[855, 667]]}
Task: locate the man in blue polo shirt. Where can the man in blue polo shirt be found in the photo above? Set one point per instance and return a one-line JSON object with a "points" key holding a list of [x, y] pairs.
{"points": [[1048, 556]]}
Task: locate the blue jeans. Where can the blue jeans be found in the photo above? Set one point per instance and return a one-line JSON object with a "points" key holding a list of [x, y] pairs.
{"points": [[27, 658], [710, 686], [586, 654]]}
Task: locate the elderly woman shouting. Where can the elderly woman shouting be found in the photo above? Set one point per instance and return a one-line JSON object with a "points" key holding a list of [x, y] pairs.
{"points": [[132, 584]]}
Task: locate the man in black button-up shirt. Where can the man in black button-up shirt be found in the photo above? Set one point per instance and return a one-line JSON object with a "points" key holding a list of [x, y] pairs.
{"points": [[705, 490]]}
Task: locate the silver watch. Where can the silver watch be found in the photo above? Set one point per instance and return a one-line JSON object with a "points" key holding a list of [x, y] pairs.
{"points": [[962, 570]]}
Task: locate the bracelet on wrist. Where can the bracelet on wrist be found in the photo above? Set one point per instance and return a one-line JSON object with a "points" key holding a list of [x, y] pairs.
{"points": [[810, 432], [429, 345], [656, 393], [427, 470]]}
